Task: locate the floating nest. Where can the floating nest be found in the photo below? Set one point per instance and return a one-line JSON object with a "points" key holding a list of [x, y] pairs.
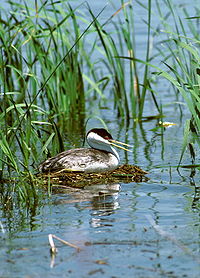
{"points": [[124, 173]]}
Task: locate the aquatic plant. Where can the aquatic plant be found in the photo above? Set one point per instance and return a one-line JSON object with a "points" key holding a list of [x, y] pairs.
{"points": [[33, 42], [179, 64], [181, 57], [47, 71], [42, 91], [129, 85], [51, 74]]}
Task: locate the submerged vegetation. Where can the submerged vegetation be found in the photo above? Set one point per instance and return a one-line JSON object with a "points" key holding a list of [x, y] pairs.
{"points": [[57, 60]]}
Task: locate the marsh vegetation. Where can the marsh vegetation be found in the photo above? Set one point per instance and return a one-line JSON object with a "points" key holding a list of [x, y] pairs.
{"points": [[56, 62], [63, 64]]}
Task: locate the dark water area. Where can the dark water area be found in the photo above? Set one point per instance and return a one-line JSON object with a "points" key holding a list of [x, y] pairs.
{"points": [[147, 229]]}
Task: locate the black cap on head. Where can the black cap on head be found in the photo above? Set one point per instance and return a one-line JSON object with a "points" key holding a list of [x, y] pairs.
{"points": [[101, 132]]}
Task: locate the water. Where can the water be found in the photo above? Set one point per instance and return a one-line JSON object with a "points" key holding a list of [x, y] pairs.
{"points": [[112, 225], [148, 229]]}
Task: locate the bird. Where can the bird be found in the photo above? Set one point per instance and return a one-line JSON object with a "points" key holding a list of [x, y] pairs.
{"points": [[100, 157]]}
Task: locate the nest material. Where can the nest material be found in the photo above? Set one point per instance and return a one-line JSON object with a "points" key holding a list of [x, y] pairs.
{"points": [[124, 173]]}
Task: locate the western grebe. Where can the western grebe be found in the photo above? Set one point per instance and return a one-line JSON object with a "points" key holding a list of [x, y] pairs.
{"points": [[99, 158]]}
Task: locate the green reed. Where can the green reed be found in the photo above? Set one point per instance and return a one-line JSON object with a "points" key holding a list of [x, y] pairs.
{"points": [[130, 85], [46, 72], [179, 55], [51, 72], [182, 60], [32, 43]]}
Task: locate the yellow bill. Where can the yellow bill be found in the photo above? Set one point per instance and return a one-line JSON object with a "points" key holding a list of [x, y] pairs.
{"points": [[114, 143], [121, 143]]}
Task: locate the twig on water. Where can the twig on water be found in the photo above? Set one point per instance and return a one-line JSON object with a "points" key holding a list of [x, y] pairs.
{"points": [[54, 250], [53, 247]]}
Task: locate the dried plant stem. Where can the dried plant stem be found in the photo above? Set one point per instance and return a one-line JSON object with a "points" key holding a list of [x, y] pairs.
{"points": [[53, 247]]}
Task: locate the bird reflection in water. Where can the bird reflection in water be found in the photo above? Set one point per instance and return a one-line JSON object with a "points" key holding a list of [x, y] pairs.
{"points": [[101, 199], [104, 205], [100, 202]]}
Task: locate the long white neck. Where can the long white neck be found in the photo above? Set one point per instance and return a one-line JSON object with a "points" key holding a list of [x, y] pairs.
{"points": [[97, 142]]}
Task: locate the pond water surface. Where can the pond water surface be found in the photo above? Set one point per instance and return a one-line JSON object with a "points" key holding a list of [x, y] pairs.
{"points": [[147, 229]]}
